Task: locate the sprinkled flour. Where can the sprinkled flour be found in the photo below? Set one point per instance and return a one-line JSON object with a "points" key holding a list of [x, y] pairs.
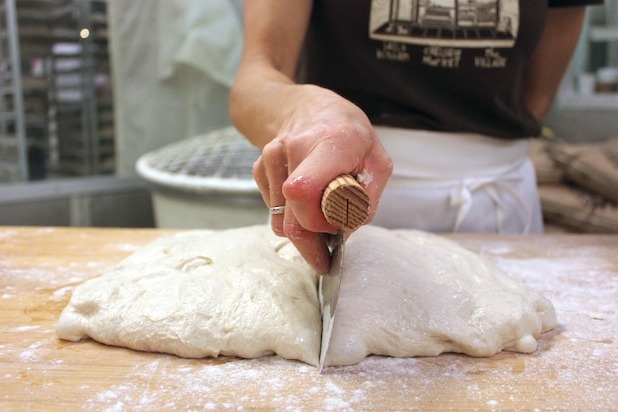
{"points": [[575, 366]]}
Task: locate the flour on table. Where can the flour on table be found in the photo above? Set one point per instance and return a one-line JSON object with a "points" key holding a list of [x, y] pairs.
{"points": [[245, 292], [410, 293], [240, 292]]}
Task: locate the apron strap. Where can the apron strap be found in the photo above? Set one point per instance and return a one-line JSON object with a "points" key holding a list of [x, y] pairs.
{"points": [[461, 197]]}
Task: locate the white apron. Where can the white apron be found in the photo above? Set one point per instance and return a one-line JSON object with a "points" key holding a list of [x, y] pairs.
{"points": [[458, 182]]}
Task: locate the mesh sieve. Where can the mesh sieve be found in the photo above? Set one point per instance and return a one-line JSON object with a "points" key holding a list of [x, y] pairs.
{"points": [[216, 161]]}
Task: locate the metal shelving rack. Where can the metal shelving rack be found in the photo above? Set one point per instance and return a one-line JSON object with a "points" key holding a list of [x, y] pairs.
{"points": [[56, 114], [81, 117], [13, 145], [34, 22]]}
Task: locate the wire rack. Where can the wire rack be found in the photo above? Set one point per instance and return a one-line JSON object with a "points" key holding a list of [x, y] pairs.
{"points": [[217, 161]]}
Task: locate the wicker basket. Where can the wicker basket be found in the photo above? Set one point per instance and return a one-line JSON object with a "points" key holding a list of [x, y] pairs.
{"points": [[547, 171], [578, 210], [590, 166]]}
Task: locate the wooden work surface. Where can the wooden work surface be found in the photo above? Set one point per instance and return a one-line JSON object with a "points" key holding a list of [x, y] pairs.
{"points": [[575, 367]]}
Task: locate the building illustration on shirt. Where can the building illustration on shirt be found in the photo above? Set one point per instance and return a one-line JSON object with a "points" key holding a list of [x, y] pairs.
{"points": [[446, 23]]}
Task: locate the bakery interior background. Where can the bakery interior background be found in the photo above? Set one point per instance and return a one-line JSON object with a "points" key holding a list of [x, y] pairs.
{"points": [[81, 79]]}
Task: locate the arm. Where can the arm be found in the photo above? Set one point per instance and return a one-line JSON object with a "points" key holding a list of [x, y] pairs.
{"points": [[309, 135], [551, 57], [274, 33]]}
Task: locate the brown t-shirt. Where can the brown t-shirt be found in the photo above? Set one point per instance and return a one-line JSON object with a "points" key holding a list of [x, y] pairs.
{"points": [[446, 65]]}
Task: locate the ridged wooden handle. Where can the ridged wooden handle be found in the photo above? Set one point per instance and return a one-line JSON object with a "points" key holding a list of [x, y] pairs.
{"points": [[345, 203]]}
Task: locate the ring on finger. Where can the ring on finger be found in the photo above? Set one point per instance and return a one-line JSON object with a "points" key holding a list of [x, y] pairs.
{"points": [[277, 210]]}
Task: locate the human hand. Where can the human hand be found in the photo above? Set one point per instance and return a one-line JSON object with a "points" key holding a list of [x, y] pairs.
{"points": [[324, 136]]}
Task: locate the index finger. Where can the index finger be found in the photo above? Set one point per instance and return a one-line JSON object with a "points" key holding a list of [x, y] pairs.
{"points": [[312, 246]]}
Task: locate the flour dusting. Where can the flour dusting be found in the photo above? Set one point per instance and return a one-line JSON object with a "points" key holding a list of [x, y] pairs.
{"points": [[574, 367]]}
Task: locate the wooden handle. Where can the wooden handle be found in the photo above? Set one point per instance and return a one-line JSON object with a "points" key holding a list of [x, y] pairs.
{"points": [[345, 203]]}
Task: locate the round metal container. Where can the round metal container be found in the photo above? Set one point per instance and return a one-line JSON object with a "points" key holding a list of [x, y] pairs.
{"points": [[205, 182]]}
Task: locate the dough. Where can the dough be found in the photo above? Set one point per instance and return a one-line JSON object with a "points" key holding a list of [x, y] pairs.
{"points": [[410, 293], [245, 292], [240, 292]]}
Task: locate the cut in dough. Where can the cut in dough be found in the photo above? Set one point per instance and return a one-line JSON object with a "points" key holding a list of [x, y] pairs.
{"points": [[240, 292], [410, 293], [245, 292]]}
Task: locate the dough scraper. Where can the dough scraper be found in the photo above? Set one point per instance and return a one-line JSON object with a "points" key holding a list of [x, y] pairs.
{"points": [[345, 205]]}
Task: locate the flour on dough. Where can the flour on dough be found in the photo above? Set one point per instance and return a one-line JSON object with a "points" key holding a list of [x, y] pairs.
{"points": [[245, 292], [239, 292], [409, 293]]}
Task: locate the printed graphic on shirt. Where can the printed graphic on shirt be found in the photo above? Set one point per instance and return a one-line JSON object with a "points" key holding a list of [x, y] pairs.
{"points": [[447, 24]]}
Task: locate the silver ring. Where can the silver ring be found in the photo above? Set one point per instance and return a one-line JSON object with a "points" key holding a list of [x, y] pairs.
{"points": [[277, 210]]}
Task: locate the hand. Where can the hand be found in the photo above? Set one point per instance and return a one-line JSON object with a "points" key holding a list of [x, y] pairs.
{"points": [[324, 136]]}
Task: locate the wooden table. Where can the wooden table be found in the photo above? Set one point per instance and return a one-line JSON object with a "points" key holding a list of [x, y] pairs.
{"points": [[575, 367]]}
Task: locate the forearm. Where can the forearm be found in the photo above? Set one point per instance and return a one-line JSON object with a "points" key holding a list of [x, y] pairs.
{"points": [[551, 58], [264, 90], [260, 102]]}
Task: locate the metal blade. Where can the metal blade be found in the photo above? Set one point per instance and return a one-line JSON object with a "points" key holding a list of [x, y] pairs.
{"points": [[329, 293]]}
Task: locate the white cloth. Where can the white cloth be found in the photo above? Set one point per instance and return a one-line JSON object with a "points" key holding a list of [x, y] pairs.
{"points": [[455, 182], [173, 62]]}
